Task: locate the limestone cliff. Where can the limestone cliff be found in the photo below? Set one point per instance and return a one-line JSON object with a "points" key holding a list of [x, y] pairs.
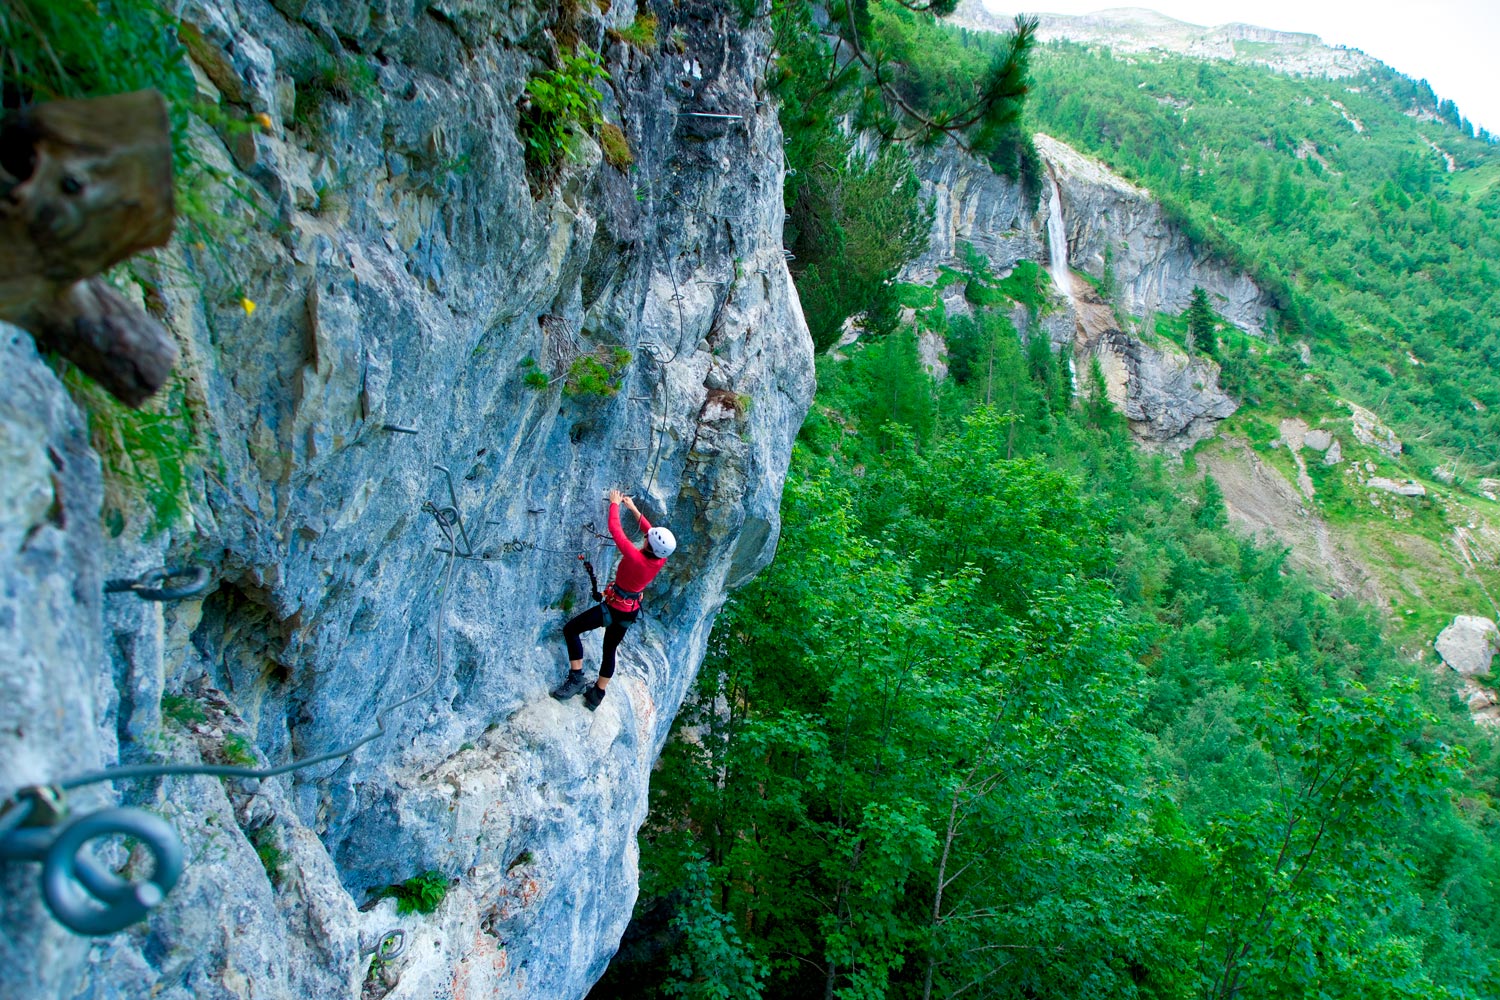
{"points": [[1099, 222], [405, 273]]}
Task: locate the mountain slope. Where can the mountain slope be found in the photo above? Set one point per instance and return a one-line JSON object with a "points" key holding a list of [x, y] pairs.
{"points": [[1369, 212], [1135, 29]]}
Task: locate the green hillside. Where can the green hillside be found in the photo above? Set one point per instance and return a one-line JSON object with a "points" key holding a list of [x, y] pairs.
{"points": [[1332, 195]]}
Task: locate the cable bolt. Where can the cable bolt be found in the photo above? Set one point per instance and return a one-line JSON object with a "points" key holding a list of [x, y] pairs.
{"points": [[148, 586], [84, 895]]}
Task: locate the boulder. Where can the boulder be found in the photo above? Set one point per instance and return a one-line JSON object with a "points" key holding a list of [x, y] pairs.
{"points": [[1406, 489], [1469, 645], [1317, 440], [1368, 430]]}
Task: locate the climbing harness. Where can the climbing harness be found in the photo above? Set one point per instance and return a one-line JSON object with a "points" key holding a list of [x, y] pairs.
{"points": [[84, 895], [614, 596]]}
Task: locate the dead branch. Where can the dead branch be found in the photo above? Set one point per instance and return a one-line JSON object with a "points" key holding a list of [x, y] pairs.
{"points": [[83, 185]]}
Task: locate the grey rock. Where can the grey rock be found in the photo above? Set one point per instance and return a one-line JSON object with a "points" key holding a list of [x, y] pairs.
{"points": [[1135, 29], [1369, 431], [1317, 440], [1469, 644], [1156, 267], [410, 297], [1334, 455], [1171, 399], [1406, 489]]}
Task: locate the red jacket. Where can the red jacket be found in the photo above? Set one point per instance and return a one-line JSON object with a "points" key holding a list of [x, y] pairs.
{"points": [[635, 570]]}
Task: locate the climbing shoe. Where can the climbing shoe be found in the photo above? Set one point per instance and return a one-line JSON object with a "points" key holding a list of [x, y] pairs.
{"points": [[592, 697], [573, 685]]}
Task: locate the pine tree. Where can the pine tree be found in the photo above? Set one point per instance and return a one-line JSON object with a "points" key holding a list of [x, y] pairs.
{"points": [[1200, 317]]}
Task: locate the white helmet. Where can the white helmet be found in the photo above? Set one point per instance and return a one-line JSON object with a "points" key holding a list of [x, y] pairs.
{"points": [[663, 543]]}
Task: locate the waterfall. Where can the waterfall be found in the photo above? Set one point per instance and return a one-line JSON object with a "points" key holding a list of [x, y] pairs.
{"points": [[1057, 243]]}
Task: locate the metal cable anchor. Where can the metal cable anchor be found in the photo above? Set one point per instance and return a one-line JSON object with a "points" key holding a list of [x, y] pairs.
{"points": [[148, 586], [449, 517], [84, 895], [392, 944]]}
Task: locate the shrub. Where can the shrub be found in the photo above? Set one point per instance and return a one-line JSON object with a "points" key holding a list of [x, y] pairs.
{"points": [[150, 456], [419, 894], [532, 375], [596, 374], [237, 751], [268, 849], [557, 104], [641, 33], [181, 709]]}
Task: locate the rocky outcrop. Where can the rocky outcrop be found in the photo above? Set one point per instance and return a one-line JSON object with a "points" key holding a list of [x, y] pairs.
{"points": [[1171, 399], [1134, 29], [406, 276], [974, 206], [1469, 645], [1155, 266], [1406, 489], [1369, 431]]}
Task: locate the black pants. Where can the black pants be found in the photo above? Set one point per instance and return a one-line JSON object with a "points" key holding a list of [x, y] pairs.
{"points": [[594, 618]]}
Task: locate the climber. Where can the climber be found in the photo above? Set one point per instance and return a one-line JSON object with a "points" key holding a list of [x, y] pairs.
{"points": [[621, 603]]}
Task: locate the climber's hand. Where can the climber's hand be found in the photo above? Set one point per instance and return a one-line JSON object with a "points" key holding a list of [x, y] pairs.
{"points": [[615, 496]]}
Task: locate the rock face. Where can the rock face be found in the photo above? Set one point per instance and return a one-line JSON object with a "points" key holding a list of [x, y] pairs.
{"points": [[1469, 645], [1134, 29], [1171, 399], [1156, 267], [1406, 489], [406, 275]]}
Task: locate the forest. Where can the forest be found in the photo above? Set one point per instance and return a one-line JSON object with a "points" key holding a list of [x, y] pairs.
{"points": [[1015, 712]]}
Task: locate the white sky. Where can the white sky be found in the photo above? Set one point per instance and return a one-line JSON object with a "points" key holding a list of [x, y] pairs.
{"points": [[1453, 44]]}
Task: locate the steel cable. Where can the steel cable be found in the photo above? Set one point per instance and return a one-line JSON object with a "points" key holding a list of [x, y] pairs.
{"points": [[136, 771]]}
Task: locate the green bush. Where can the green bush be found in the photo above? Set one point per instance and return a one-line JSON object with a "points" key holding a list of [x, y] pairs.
{"points": [[238, 751], [559, 103], [419, 894], [596, 374], [641, 33], [181, 709], [616, 146], [347, 79], [150, 456], [533, 376], [268, 850]]}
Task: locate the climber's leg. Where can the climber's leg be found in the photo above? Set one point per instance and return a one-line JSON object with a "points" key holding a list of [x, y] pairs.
{"points": [[586, 622], [612, 637]]}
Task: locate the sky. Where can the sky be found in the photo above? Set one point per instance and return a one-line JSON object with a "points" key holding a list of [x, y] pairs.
{"points": [[1453, 44]]}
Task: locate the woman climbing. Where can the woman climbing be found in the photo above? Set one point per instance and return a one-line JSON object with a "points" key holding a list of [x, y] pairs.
{"points": [[621, 604]]}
